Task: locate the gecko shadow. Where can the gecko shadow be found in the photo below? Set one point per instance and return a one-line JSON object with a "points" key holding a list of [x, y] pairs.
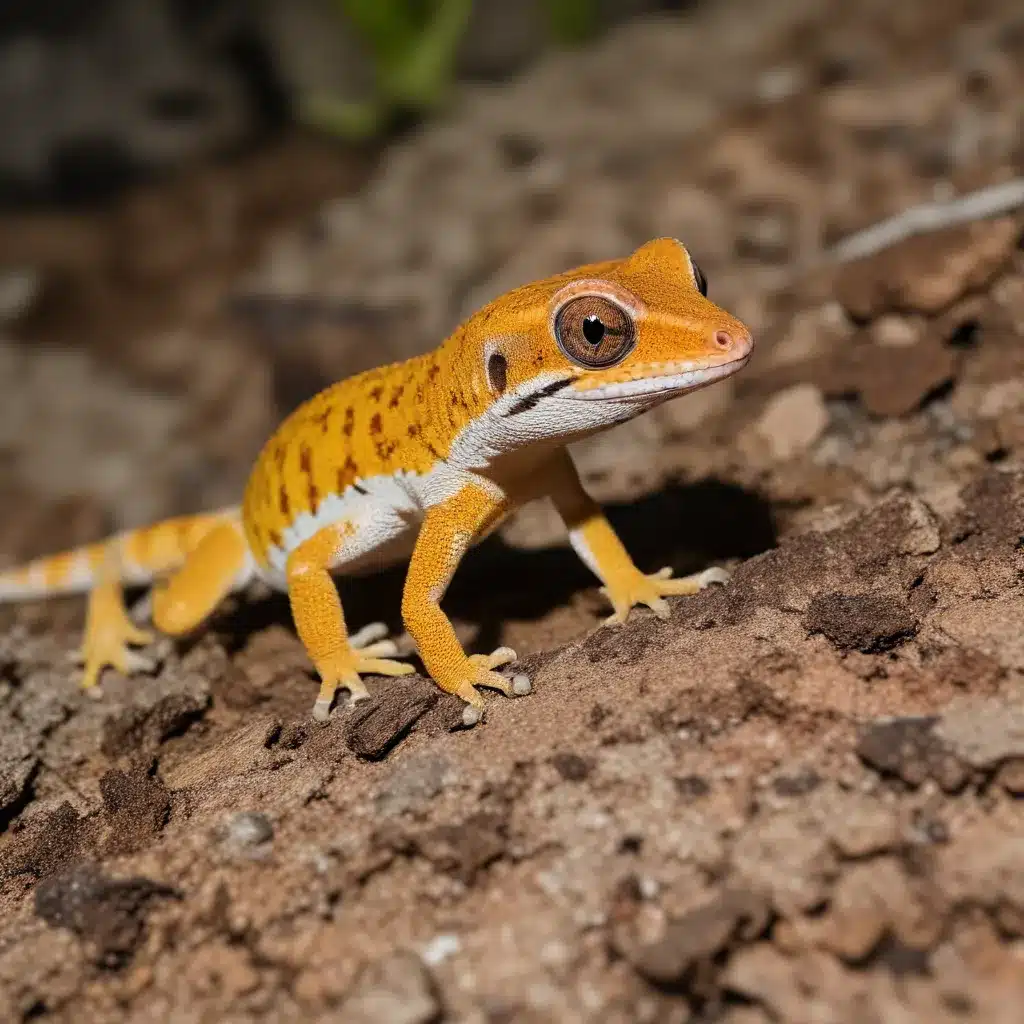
{"points": [[686, 526]]}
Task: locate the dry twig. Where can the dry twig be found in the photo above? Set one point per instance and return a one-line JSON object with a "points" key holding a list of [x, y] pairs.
{"points": [[992, 201]]}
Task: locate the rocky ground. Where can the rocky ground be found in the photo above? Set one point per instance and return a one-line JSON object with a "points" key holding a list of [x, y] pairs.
{"points": [[798, 800]]}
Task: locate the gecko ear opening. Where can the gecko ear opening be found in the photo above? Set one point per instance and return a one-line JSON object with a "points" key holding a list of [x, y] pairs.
{"points": [[497, 372]]}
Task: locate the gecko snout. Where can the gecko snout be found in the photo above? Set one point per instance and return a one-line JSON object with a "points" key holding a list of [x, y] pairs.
{"points": [[735, 340]]}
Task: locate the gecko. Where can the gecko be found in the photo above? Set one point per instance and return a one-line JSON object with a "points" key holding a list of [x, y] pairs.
{"points": [[417, 462]]}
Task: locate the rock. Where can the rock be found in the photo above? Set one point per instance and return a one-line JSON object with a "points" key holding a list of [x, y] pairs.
{"points": [[762, 974], [985, 867], [247, 830], [1002, 397], [109, 913], [909, 749], [869, 623], [792, 421], [896, 381], [396, 990], [995, 628], [984, 733], [735, 916], [860, 826], [800, 783], [463, 850], [860, 909], [819, 330], [786, 855], [927, 273], [1011, 776], [871, 901], [892, 331], [414, 782]]}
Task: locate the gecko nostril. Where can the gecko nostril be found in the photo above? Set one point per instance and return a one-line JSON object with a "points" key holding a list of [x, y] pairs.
{"points": [[723, 339]]}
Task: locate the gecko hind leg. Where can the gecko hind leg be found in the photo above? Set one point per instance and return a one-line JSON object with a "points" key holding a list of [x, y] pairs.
{"points": [[208, 573], [108, 632]]}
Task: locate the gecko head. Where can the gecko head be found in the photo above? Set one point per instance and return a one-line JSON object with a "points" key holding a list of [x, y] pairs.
{"points": [[608, 341]]}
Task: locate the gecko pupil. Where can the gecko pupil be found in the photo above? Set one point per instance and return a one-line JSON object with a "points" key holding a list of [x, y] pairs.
{"points": [[593, 329]]}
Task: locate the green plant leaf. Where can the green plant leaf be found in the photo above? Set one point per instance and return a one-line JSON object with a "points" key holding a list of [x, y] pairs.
{"points": [[356, 122]]}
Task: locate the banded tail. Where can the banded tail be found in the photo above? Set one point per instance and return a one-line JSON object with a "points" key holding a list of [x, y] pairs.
{"points": [[134, 557]]}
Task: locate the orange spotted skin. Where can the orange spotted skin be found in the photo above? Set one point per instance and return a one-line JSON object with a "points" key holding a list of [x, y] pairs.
{"points": [[363, 427], [420, 459]]}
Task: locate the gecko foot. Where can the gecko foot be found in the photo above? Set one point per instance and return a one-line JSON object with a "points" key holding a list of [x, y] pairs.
{"points": [[652, 591], [108, 632], [482, 674], [368, 653]]}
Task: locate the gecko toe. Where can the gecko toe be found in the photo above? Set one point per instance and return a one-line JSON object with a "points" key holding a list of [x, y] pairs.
{"points": [[712, 576], [379, 649], [369, 634]]}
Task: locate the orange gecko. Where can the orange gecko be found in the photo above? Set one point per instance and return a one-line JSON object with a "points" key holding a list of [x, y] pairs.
{"points": [[419, 460]]}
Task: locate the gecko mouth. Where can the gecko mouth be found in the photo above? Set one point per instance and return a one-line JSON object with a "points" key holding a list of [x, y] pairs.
{"points": [[676, 380]]}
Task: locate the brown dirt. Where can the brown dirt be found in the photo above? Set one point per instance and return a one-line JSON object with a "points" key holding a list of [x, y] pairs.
{"points": [[799, 799]]}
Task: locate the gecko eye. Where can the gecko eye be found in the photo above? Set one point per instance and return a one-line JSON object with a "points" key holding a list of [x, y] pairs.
{"points": [[700, 280], [594, 332]]}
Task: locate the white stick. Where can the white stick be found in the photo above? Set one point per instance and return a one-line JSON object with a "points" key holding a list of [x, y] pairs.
{"points": [[986, 202]]}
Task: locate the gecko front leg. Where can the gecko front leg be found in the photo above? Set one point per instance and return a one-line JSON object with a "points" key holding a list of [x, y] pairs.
{"points": [[320, 623], [447, 531], [599, 547]]}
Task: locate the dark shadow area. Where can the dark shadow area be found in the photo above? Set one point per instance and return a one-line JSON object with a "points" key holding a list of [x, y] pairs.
{"points": [[686, 526]]}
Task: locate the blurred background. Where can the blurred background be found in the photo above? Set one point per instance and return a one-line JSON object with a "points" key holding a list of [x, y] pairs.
{"points": [[213, 208]]}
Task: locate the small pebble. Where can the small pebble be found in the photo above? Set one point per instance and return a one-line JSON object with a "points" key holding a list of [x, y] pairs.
{"points": [[440, 948], [249, 828]]}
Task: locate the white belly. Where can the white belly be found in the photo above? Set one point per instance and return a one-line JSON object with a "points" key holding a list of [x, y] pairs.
{"points": [[382, 518]]}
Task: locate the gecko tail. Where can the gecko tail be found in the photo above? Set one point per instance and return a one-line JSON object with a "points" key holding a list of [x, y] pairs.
{"points": [[70, 572], [133, 558]]}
